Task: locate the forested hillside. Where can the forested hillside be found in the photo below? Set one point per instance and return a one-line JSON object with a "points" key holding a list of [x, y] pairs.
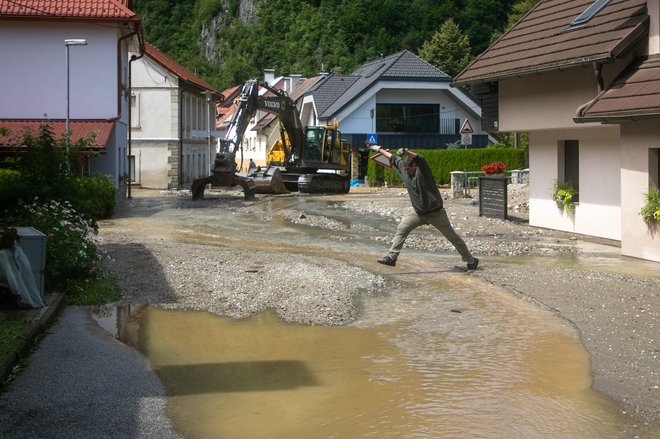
{"points": [[228, 41]]}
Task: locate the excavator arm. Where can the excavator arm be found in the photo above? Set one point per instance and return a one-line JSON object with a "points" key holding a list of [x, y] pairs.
{"points": [[280, 105]]}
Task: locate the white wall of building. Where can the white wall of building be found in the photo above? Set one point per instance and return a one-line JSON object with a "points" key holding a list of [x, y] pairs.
{"points": [[550, 100], [36, 82], [195, 163], [638, 239], [356, 118], [598, 212], [161, 109], [533, 104], [154, 117], [34, 79]]}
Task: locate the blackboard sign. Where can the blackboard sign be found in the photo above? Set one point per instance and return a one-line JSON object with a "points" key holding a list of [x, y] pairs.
{"points": [[493, 197]]}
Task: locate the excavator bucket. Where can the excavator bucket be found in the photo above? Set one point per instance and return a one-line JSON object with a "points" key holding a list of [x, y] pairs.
{"points": [[268, 181]]}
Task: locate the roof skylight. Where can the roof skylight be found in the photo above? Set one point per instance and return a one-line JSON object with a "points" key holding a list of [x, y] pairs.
{"points": [[589, 13]]}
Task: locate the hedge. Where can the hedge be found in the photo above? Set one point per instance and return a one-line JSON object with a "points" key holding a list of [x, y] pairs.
{"points": [[11, 185], [443, 162]]}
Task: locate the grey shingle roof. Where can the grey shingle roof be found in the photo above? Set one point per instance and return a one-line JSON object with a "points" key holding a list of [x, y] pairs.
{"points": [[337, 91], [331, 89], [297, 92], [543, 39]]}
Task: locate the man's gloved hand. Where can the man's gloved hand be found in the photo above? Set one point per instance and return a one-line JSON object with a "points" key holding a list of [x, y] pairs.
{"points": [[401, 151], [374, 148]]}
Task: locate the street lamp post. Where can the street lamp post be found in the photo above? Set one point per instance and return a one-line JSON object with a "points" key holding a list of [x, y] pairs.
{"points": [[68, 43], [209, 101]]}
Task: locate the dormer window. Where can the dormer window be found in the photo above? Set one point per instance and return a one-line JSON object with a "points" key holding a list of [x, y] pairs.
{"points": [[589, 13]]}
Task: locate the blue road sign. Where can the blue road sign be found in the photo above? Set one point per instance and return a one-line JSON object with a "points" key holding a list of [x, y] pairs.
{"points": [[372, 139]]}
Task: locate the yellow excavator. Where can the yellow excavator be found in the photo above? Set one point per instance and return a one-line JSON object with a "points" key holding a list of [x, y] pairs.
{"points": [[309, 160]]}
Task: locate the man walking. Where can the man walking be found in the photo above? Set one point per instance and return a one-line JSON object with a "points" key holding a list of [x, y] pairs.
{"points": [[426, 202]]}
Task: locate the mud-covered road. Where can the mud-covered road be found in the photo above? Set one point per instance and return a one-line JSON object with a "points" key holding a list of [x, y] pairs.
{"points": [[159, 245]]}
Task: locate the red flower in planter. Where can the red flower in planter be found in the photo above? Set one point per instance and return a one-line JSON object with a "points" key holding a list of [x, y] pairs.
{"points": [[494, 168]]}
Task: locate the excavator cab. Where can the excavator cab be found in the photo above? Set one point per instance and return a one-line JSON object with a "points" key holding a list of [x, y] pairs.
{"points": [[324, 145], [315, 138]]}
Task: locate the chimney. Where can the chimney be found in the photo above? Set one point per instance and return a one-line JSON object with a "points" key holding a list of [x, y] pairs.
{"points": [[295, 81], [269, 76]]}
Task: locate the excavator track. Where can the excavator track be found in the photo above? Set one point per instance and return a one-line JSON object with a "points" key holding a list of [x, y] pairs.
{"points": [[323, 184]]}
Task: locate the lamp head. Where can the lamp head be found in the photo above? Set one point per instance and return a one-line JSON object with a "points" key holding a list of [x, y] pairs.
{"points": [[75, 42]]}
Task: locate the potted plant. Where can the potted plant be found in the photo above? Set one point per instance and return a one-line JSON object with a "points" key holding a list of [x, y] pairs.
{"points": [[650, 212], [494, 169], [564, 195]]}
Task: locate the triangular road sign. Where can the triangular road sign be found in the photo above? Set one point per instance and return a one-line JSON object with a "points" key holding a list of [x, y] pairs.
{"points": [[381, 160], [466, 128]]}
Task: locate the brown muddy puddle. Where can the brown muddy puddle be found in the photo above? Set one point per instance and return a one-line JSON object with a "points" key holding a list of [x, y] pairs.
{"points": [[466, 362]]}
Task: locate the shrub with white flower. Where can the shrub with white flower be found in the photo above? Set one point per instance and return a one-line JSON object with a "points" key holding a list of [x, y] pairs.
{"points": [[71, 245]]}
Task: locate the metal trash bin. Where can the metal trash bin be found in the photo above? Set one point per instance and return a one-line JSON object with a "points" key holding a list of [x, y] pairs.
{"points": [[33, 244]]}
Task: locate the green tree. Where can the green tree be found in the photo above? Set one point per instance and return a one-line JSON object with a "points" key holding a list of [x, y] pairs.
{"points": [[449, 50], [518, 10], [482, 18]]}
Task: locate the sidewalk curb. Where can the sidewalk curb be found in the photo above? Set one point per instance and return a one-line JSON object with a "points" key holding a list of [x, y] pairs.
{"points": [[40, 321]]}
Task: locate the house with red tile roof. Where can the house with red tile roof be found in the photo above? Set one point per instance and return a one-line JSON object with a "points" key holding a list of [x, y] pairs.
{"points": [[582, 78], [173, 132], [37, 65]]}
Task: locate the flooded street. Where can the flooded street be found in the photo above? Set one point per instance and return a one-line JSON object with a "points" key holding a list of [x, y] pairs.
{"points": [[432, 353]]}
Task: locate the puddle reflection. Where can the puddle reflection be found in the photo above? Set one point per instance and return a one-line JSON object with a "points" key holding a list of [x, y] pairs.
{"points": [[427, 373]]}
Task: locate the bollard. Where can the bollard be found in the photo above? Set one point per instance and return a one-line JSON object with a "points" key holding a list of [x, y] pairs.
{"points": [[458, 184]]}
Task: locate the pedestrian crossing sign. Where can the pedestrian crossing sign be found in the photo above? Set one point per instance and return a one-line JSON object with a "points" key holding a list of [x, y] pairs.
{"points": [[372, 139]]}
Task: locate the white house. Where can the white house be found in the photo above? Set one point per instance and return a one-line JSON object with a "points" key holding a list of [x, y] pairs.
{"points": [[401, 98], [583, 78], [172, 114], [36, 40]]}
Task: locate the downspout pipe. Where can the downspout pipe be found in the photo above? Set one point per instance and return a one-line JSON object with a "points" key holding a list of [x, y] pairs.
{"points": [[130, 125], [598, 72]]}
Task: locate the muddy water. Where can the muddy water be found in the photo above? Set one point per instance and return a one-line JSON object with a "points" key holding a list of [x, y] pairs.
{"points": [[438, 357], [464, 361]]}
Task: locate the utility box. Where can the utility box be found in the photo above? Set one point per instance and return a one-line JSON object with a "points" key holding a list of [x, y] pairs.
{"points": [[33, 244]]}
